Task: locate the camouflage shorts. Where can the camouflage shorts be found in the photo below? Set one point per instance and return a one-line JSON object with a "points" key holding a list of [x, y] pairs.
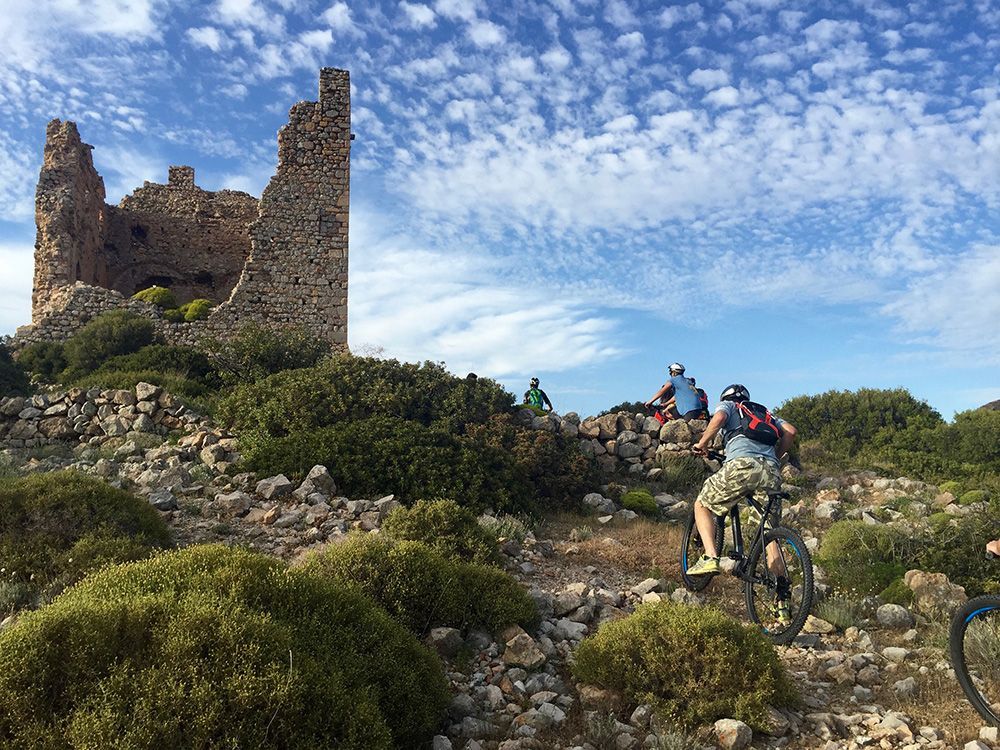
{"points": [[737, 479]]}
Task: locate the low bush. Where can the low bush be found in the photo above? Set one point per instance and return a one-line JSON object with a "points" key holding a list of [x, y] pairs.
{"points": [[897, 592], [840, 611], [864, 559], [629, 407], [215, 647], [45, 359], [173, 315], [694, 665], [446, 526], [423, 589], [13, 379], [346, 388], [256, 352], [681, 473], [56, 527], [157, 295], [196, 309], [957, 551], [955, 488], [185, 361], [640, 501], [974, 496], [378, 456], [108, 335], [193, 392]]}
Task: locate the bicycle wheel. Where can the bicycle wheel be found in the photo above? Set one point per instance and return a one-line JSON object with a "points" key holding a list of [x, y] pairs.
{"points": [[692, 549], [783, 576], [975, 654]]}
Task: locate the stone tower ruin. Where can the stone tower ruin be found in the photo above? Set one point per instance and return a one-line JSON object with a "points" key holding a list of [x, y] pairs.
{"points": [[280, 261]]}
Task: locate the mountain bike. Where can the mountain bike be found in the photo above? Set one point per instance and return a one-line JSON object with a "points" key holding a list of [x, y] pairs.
{"points": [[777, 571], [974, 642]]}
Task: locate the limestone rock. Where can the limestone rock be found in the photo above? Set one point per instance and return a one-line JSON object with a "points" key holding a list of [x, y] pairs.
{"points": [[732, 734]]}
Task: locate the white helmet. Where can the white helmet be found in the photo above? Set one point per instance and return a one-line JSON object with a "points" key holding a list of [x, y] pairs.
{"points": [[676, 367], [735, 392]]}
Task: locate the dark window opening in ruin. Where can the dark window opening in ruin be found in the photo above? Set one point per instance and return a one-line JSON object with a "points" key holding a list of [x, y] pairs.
{"points": [[164, 281], [204, 278], [139, 232]]}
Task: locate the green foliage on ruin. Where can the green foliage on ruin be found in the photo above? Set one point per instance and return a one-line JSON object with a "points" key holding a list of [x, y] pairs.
{"points": [[196, 309], [157, 295], [422, 588], [629, 407], [640, 501], [55, 527], [693, 665], [215, 647]]}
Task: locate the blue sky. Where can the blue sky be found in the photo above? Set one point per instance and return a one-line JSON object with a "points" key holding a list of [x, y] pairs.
{"points": [[793, 195]]}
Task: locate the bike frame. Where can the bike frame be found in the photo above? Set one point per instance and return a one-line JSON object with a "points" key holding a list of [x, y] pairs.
{"points": [[739, 551]]}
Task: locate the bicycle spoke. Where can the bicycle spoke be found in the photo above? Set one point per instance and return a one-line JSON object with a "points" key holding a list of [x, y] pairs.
{"points": [[779, 585]]}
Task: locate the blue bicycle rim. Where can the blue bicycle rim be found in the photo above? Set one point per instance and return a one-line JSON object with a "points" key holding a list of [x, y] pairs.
{"points": [[978, 612]]}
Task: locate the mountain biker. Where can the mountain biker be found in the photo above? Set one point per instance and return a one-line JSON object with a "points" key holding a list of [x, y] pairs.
{"points": [[679, 389], [750, 466], [535, 396]]}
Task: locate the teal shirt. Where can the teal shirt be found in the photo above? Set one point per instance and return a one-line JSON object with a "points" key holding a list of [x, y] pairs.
{"points": [[685, 395]]}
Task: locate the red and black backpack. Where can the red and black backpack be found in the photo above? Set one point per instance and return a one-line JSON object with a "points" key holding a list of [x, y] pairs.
{"points": [[756, 423]]}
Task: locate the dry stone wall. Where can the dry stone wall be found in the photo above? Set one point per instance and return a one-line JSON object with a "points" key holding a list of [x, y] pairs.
{"points": [[279, 262]]}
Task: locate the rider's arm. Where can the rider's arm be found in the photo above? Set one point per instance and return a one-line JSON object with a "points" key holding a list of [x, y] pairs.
{"points": [[667, 388], [788, 433], [716, 424], [545, 398]]}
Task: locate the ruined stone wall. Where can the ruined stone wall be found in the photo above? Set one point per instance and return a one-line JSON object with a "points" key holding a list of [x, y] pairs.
{"points": [[297, 271], [69, 216], [279, 262], [179, 236]]}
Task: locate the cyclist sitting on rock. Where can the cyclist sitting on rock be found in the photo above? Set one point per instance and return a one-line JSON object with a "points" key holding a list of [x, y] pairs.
{"points": [[754, 441], [536, 397], [681, 392]]}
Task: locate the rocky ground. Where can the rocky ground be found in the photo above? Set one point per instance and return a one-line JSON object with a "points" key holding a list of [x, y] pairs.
{"points": [[884, 682]]}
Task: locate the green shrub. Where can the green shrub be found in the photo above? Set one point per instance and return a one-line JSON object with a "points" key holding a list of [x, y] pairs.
{"points": [[55, 527], [196, 309], [629, 407], [173, 315], [864, 559], [45, 359], [13, 379], [897, 592], [423, 589], [350, 388], [157, 295], [215, 647], [640, 501], [937, 521], [446, 526], [108, 335], [256, 352], [694, 665], [974, 496], [681, 473], [559, 473], [955, 488], [177, 385], [957, 551], [503, 526], [840, 611], [381, 455], [844, 422]]}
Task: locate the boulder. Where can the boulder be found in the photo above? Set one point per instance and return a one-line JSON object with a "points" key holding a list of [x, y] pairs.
{"points": [[522, 651], [894, 616], [274, 487], [933, 593], [163, 500], [147, 391], [446, 641], [732, 734]]}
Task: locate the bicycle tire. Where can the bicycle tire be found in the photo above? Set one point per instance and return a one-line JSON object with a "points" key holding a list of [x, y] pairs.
{"points": [[777, 534], [965, 615], [692, 542]]}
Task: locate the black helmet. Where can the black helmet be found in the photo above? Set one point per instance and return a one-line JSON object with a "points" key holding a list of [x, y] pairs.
{"points": [[534, 382], [735, 392]]}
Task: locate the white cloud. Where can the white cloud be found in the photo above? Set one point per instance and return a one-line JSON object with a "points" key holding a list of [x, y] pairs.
{"points": [[726, 96], [209, 37], [418, 15], [618, 13], [708, 78], [306, 52], [676, 14], [18, 262], [252, 14], [421, 304], [773, 61], [460, 10], [486, 33], [18, 174], [621, 124], [339, 17], [557, 58], [956, 308]]}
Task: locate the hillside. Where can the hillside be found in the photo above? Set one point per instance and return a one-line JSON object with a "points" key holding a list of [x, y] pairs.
{"points": [[484, 565]]}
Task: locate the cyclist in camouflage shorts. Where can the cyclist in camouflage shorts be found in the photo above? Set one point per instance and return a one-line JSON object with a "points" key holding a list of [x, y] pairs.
{"points": [[750, 467]]}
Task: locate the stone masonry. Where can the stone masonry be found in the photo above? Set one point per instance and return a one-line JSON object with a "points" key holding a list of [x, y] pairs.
{"points": [[281, 261]]}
